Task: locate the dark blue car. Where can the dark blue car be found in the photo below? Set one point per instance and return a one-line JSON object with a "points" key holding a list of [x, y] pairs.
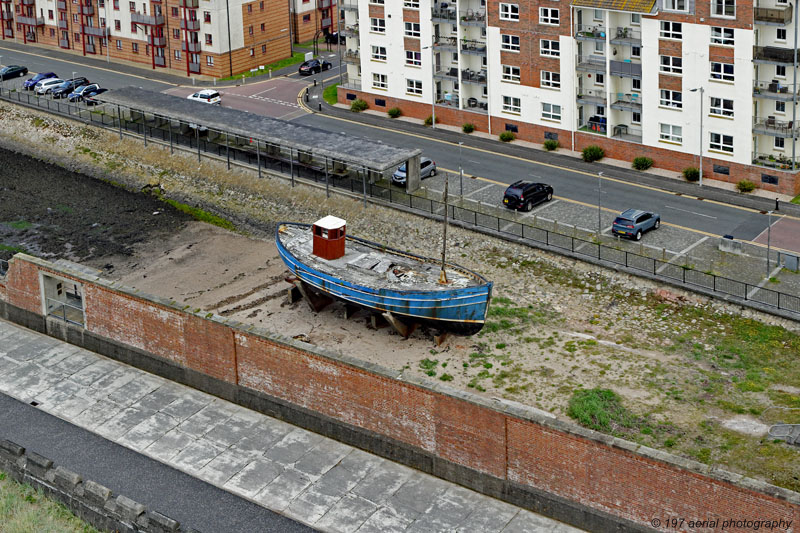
{"points": [[82, 92], [31, 82]]}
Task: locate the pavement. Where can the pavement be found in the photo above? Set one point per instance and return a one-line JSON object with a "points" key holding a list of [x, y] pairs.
{"points": [[309, 478]]}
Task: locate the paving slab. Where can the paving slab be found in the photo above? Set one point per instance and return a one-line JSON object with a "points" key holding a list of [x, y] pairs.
{"points": [[347, 515], [254, 477]]}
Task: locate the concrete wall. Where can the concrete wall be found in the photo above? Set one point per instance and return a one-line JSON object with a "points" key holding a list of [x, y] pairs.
{"points": [[513, 453]]}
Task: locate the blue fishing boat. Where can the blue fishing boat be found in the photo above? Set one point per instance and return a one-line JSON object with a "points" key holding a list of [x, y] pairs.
{"points": [[410, 288]]}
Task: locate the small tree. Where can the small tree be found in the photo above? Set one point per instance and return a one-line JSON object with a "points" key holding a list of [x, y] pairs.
{"points": [[745, 186], [592, 153], [358, 105], [507, 136], [468, 128], [691, 174], [394, 112], [642, 163], [550, 145]]}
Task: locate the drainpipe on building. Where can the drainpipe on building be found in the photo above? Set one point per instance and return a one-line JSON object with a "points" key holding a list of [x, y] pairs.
{"points": [[230, 52], [574, 124], [291, 25], [794, 91]]}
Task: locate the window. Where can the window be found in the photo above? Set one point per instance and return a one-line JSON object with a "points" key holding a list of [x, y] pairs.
{"points": [[598, 14], [176, 33], [117, 25], [116, 4], [263, 27], [779, 143], [551, 111], [174, 11], [252, 52], [75, 18], [414, 87], [549, 48], [675, 5], [413, 58], [511, 104], [135, 48], [671, 133], [780, 71], [119, 44], [780, 34], [600, 79], [722, 107], [671, 30], [261, 5], [636, 51], [636, 19], [550, 79], [724, 36], [721, 71], [510, 73], [671, 99], [250, 9], [263, 49], [636, 83], [548, 15], [600, 110], [671, 64], [177, 55], [509, 43], [636, 117], [509, 12], [377, 25], [379, 81], [380, 2], [780, 107], [723, 143], [413, 4], [250, 30], [132, 6], [412, 29], [133, 27], [50, 14], [206, 16], [210, 61], [723, 8], [102, 22], [379, 53], [599, 47], [208, 38]]}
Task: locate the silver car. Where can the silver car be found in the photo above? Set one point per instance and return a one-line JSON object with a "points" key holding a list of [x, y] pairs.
{"points": [[427, 168], [633, 223], [46, 86]]}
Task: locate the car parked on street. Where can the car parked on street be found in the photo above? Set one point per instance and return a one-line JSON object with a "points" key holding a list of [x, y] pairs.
{"points": [[63, 90], [207, 96], [12, 71], [45, 86], [633, 223], [30, 83], [78, 94], [90, 98], [314, 66], [427, 169], [525, 194]]}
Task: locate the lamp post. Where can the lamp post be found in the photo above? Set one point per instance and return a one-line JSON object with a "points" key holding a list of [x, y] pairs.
{"points": [[701, 130], [769, 228], [433, 87], [73, 75], [599, 188], [460, 171]]}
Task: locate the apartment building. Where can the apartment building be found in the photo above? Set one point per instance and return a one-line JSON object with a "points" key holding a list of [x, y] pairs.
{"points": [[636, 77], [216, 38], [313, 18]]}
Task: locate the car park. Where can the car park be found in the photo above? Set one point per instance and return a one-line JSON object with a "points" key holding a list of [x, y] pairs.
{"points": [[314, 66], [207, 96], [31, 82], [78, 94], [90, 98], [63, 90], [45, 86], [427, 169], [12, 71], [633, 223], [525, 194]]}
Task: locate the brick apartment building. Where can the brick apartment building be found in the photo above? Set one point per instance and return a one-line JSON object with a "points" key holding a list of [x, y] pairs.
{"points": [[629, 75], [194, 37], [312, 18]]}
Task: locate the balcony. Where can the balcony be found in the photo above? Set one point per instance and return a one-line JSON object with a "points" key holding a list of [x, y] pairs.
{"points": [[61, 5], [98, 32], [473, 47], [349, 5], [63, 25], [193, 47], [446, 73], [476, 106], [473, 76], [352, 56], [190, 25], [194, 67], [590, 33], [147, 20], [325, 4], [63, 43], [626, 69], [446, 43], [159, 61], [772, 55], [595, 124], [28, 2], [626, 102], [354, 84], [325, 23], [625, 36], [8, 32], [591, 64], [774, 90], [158, 41], [7, 1], [444, 15], [89, 48], [773, 16], [189, 4], [350, 31], [31, 21], [773, 127], [591, 97], [778, 161], [623, 132], [87, 11], [6, 15], [469, 18]]}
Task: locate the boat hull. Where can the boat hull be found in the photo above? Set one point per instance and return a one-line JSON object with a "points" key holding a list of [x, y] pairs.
{"points": [[458, 310]]}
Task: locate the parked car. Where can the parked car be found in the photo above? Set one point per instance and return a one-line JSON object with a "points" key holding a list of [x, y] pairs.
{"points": [[31, 82], [207, 96], [45, 86], [633, 223], [78, 94], [90, 98], [331, 38], [427, 168], [63, 90], [12, 71], [525, 194], [314, 66]]}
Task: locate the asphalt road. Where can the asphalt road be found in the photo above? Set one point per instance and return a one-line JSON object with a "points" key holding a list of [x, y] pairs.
{"points": [[184, 498]]}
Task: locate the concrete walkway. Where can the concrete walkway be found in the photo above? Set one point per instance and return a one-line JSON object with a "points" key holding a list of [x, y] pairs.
{"points": [[307, 477]]}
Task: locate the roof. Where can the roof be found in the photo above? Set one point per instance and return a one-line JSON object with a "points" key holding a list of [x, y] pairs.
{"points": [[632, 6], [373, 155], [330, 222]]}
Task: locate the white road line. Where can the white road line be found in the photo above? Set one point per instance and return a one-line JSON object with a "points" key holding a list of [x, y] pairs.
{"points": [[681, 253], [763, 281], [471, 161], [540, 207], [265, 91], [687, 211], [479, 190]]}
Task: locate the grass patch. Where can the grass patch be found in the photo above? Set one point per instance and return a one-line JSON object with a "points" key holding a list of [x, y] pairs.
{"points": [[14, 249], [428, 364], [796, 200], [329, 94], [199, 214], [20, 224], [602, 410], [298, 57]]}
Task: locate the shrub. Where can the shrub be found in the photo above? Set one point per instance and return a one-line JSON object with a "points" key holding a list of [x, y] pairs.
{"points": [[642, 163], [507, 136], [394, 112], [691, 174], [358, 105], [429, 120], [468, 128], [550, 145], [593, 153], [745, 186]]}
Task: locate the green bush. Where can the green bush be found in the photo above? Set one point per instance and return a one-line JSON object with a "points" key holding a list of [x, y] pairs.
{"points": [[642, 163], [691, 174], [429, 120], [358, 105], [507, 136], [394, 112], [468, 128], [550, 145], [745, 186], [592, 153]]}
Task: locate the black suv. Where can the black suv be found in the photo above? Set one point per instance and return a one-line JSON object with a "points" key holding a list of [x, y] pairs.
{"points": [[63, 90], [524, 195]]}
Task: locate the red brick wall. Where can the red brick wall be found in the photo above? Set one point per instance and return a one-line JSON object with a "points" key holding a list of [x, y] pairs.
{"points": [[599, 473]]}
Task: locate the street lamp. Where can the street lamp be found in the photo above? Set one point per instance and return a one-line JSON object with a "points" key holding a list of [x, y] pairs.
{"points": [[460, 171], [701, 130], [599, 188], [769, 227], [433, 87], [73, 75]]}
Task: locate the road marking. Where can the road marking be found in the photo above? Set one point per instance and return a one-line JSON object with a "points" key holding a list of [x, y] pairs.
{"points": [[264, 91], [471, 161], [687, 211], [479, 190], [540, 207], [681, 253], [763, 282], [263, 99]]}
